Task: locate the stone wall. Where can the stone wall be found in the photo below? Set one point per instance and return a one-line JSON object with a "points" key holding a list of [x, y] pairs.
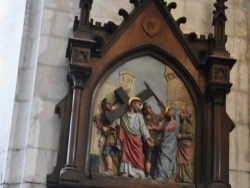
{"points": [[50, 87], [11, 30], [238, 106]]}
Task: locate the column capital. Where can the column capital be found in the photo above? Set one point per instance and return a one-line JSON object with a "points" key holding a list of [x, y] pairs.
{"points": [[218, 92], [78, 75]]}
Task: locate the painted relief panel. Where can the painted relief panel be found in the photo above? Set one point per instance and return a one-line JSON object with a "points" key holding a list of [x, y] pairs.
{"points": [[144, 123]]}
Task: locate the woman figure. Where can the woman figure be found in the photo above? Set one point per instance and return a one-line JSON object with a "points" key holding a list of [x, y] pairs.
{"points": [[185, 150], [167, 146]]}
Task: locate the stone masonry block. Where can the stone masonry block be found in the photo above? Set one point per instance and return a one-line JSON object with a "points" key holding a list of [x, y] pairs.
{"points": [[239, 148], [45, 126], [51, 82], [239, 179], [39, 162], [52, 51]]}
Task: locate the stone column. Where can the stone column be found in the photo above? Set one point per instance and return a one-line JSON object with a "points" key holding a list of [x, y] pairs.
{"points": [[17, 78]]}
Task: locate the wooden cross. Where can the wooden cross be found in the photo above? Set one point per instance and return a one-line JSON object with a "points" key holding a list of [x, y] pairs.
{"points": [[122, 95]]}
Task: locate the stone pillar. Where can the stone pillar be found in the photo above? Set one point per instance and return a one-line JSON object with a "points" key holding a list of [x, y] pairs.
{"points": [[22, 57]]}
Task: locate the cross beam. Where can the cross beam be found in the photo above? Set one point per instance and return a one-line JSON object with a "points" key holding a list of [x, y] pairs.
{"points": [[122, 95]]}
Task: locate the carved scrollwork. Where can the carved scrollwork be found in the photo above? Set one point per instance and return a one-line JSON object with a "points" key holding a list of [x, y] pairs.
{"points": [[171, 6], [181, 20], [124, 13], [135, 2], [111, 27]]}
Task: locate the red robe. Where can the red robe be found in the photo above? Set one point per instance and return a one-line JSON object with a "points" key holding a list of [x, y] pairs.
{"points": [[132, 148]]}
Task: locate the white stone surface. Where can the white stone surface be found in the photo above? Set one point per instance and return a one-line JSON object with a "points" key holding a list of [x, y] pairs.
{"points": [[24, 90], [240, 53], [240, 20], [33, 185], [234, 77], [238, 99], [179, 10], [52, 51], [108, 11], [11, 30], [52, 84], [15, 161], [44, 126], [39, 164], [18, 138], [239, 179], [239, 150], [63, 5], [50, 87], [243, 76]]}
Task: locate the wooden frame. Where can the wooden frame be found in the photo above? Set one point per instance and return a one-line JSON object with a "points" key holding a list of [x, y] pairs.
{"points": [[202, 63]]}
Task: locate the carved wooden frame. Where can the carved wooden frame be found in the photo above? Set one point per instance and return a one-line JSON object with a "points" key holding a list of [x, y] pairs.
{"points": [[95, 51]]}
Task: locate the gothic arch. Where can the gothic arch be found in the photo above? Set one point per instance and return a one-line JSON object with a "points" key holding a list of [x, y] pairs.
{"points": [[196, 95]]}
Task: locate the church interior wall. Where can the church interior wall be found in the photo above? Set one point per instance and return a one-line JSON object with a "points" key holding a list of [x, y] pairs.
{"points": [[11, 30]]}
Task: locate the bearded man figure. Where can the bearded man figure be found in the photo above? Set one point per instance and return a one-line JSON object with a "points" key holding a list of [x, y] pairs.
{"points": [[131, 135]]}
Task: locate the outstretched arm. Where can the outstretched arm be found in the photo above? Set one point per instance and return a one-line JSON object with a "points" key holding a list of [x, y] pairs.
{"points": [[151, 126]]}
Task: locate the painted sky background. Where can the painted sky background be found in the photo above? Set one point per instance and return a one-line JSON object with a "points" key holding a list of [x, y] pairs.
{"points": [[149, 70]]}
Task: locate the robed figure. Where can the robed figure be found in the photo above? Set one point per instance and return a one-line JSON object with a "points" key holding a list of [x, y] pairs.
{"points": [[131, 136]]}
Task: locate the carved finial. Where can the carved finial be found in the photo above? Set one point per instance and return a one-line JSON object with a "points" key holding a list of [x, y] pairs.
{"points": [[192, 36], [100, 42], [110, 27], [76, 24], [171, 6], [85, 6], [124, 13], [219, 20], [135, 2], [181, 20], [202, 53]]}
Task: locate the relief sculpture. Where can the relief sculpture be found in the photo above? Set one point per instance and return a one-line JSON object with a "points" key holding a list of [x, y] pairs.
{"points": [[142, 123]]}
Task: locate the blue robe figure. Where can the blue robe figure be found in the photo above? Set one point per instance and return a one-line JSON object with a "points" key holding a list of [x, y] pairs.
{"points": [[167, 146]]}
